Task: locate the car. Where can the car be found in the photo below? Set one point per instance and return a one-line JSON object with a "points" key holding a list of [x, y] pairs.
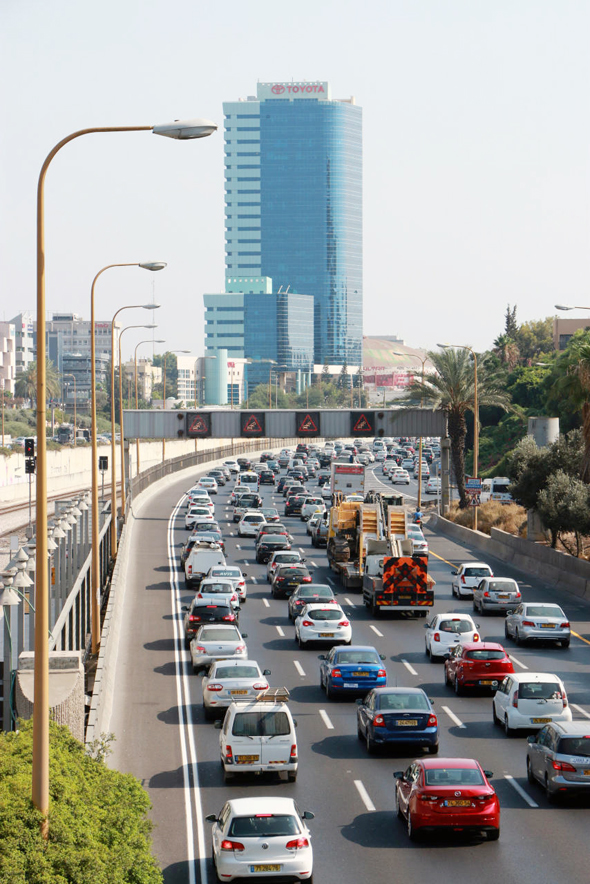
{"points": [[253, 837], [198, 495], [237, 492], [357, 497], [294, 503], [538, 621], [530, 700], [232, 465], [219, 476], [274, 466], [201, 558], [284, 482], [250, 523], [558, 757], [476, 665], [267, 477], [445, 630], [495, 594], [323, 476], [326, 492], [197, 513], [447, 793], [393, 716], [419, 542], [228, 680], [209, 484], [309, 594], [258, 468], [399, 476], [265, 455], [380, 455], [408, 463], [287, 578], [294, 488], [312, 505], [467, 576], [245, 464], [233, 573], [199, 612], [218, 590], [320, 623], [433, 486], [213, 535], [285, 556], [250, 501], [217, 641], [354, 669], [270, 513], [312, 522], [199, 529], [275, 529], [269, 545]]}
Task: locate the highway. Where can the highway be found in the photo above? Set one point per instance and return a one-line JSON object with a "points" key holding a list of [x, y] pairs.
{"points": [[162, 737]]}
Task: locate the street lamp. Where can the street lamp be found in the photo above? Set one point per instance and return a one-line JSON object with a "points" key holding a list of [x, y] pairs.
{"points": [[164, 396], [568, 307], [423, 361], [156, 265], [475, 414], [159, 341]]}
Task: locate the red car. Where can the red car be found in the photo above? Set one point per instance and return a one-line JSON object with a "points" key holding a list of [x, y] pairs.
{"points": [[449, 793], [480, 665]]}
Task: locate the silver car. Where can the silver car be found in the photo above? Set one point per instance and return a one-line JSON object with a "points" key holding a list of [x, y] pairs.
{"points": [[538, 622], [229, 680], [558, 757], [217, 642], [496, 594]]}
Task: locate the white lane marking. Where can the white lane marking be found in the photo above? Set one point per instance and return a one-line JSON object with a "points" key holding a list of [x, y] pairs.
{"points": [[348, 601], [254, 580], [279, 629], [520, 791], [364, 796], [580, 710], [314, 565], [298, 667], [325, 719], [331, 581], [518, 662], [376, 631], [238, 546], [246, 562], [453, 717], [266, 603], [301, 550], [409, 667], [231, 533]]}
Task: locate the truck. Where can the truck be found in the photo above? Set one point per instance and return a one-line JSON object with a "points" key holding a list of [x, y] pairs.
{"points": [[347, 478]]}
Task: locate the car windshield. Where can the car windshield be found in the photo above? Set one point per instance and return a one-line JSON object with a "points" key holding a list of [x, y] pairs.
{"points": [[477, 572], [325, 614], [463, 776], [503, 586], [264, 825], [358, 657], [219, 635], [241, 671], [458, 626], [485, 655], [402, 701], [261, 724], [539, 690], [574, 746], [544, 611]]}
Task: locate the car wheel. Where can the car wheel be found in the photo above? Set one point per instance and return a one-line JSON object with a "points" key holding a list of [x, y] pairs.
{"points": [[549, 795], [228, 776], [433, 750], [398, 808], [359, 732], [529, 771], [329, 691], [302, 645], [196, 669], [426, 650], [565, 643], [371, 746], [507, 729], [474, 607], [495, 718], [410, 827], [447, 679], [506, 633], [516, 637], [292, 776], [494, 835], [458, 688], [453, 590]]}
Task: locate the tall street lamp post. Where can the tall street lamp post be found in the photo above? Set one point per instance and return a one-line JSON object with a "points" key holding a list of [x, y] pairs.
{"points": [[159, 341], [164, 396], [423, 361]]}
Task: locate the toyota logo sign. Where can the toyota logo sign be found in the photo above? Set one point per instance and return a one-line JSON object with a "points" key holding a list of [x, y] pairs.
{"points": [[278, 89]]}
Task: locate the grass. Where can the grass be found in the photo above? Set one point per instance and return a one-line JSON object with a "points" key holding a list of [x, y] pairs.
{"points": [[507, 516]]}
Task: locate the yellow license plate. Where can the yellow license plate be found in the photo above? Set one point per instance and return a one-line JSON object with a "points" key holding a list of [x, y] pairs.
{"points": [[276, 868], [234, 693], [326, 635], [503, 596], [407, 722], [587, 773], [541, 720], [247, 759], [486, 681], [459, 802], [361, 673], [547, 625]]}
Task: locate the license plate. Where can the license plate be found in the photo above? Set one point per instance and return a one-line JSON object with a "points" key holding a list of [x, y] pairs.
{"points": [[361, 673], [587, 773], [350, 684], [502, 596], [407, 722], [486, 681], [266, 868], [459, 802], [547, 625], [541, 720], [326, 635], [235, 693], [247, 759]]}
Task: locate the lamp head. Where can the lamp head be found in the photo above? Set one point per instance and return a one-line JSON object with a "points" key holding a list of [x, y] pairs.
{"points": [[151, 306], [183, 130], [153, 265], [563, 307]]}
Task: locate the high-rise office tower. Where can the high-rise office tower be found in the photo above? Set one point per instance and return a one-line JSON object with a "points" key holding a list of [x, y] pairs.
{"points": [[293, 179]]}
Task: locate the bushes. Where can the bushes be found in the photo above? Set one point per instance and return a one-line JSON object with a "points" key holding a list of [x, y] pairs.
{"points": [[99, 832], [507, 516]]}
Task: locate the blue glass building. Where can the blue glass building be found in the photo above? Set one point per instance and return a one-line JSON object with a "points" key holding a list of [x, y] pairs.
{"points": [[294, 206]]}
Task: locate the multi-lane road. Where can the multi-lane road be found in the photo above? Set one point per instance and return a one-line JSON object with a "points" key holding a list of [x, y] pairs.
{"points": [[162, 736]]}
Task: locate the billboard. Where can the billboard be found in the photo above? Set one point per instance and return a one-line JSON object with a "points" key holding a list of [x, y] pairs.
{"points": [[299, 89]]}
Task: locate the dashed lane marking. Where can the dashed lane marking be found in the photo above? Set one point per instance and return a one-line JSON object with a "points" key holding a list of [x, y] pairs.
{"points": [[280, 630], [348, 601], [452, 716], [325, 719], [518, 788], [266, 603], [580, 710], [518, 662], [364, 796], [376, 631], [409, 667], [299, 667]]}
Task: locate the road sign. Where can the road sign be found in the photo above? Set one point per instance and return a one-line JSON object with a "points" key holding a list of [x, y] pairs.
{"points": [[362, 423], [474, 500], [198, 424], [308, 423], [252, 424], [473, 484]]}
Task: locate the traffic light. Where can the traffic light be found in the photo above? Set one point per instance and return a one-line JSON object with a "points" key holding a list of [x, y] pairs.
{"points": [[30, 448], [30, 463]]}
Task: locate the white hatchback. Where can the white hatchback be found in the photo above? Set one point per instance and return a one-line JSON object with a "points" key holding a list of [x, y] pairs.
{"points": [[250, 523], [444, 631], [322, 623], [229, 680], [467, 576], [529, 701]]}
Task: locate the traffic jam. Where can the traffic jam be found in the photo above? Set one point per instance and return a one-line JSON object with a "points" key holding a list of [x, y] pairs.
{"points": [[325, 546]]}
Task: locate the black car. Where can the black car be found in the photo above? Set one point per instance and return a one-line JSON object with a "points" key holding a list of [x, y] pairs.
{"points": [[324, 476], [198, 613], [265, 455], [267, 477], [287, 578], [284, 480], [309, 594], [295, 488], [294, 503], [244, 464], [274, 466], [269, 545]]}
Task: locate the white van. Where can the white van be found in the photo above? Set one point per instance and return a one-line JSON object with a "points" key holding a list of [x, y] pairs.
{"points": [[259, 735], [202, 557], [251, 478]]}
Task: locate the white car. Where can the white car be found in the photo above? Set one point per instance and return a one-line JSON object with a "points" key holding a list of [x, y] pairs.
{"points": [[217, 641], [233, 573], [433, 486], [312, 505], [209, 484], [419, 542], [218, 591], [250, 523], [196, 495], [282, 557], [313, 520], [322, 623], [467, 576], [529, 701], [444, 631], [380, 455], [229, 680], [197, 513], [254, 837], [232, 465], [408, 463], [326, 491], [399, 476], [537, 621]]}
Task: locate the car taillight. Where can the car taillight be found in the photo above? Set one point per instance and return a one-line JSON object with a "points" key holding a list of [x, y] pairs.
{"points": [[563, 765], [336, 673], [564, 625], [214, 687], [228, 753], [306, 580], [425, 796], [307, 623], [515, 700], [240, 648], [260, 686], [527, 623], [436, 637], [199, 595], [193, 618], [280, 580], [378, 721], [293, 750], [230, 617], [234, 598], [517, 595], [463, 578], [432, 721], [297, 844], [344, 623], [241, 584], [486, 593], [564, 698], [475, 637], [232, 845], [382, 673], [190, 569], [201, 650]]}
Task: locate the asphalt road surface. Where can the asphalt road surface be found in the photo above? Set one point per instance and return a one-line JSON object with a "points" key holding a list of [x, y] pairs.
{"points": [[162, 737]]}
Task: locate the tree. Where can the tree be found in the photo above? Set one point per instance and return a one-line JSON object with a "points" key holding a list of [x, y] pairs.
{"points": [[534, 340], [510, 323], [527, 386], [26, 383], [564, 508], [451, 389], [343, 379], [171, 374], [570, 388], [506, 350]]}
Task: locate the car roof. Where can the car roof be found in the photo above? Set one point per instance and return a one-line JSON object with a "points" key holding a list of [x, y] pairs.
{"points": [[535, 676], [261, 804], [398, 690], [319, 606], [313, 587], [346, 648], [235, 662], [482, 646], [453, 763], [578, 728], [474, 565]]}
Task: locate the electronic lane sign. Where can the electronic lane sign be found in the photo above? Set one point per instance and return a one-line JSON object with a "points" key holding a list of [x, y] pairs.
{"points": [[362, 423], [252, 424], [307, 423], [198, 424]]}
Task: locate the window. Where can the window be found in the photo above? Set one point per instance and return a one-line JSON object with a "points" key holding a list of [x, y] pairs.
{"points": [[246, 241], [244, 192], [248, 116], [261, 724], [248, 266], [250, 178], [248, 153], [247, 141], [248, 129], [248, 204], [248, 254], [249, 228], [250, 217]]}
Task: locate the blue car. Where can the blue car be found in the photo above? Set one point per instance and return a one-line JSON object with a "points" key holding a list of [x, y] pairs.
{"points": [[352, 670], [397, 715]]}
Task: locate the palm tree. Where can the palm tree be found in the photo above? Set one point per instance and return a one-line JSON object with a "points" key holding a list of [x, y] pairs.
{"points": [[26, 383], [506, 349], [572, 383], [451, 389]]}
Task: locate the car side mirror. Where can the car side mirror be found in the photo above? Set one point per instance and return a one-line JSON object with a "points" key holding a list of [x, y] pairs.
{"points": [[308, 815], [454, 573], [398, 775], [244, 574], [321, 657], [304, 560], [426, 625], [510, 610], [532, 738], [211, 817], [244, 635], [382, 656], [218, 724], [185, 607], [489, 774], [478, 626], [266, 672], [359, 702], [295, 724]]}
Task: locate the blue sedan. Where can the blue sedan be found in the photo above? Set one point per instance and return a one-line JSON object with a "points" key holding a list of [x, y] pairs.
{"points": [[397, 715], [352, 670]]}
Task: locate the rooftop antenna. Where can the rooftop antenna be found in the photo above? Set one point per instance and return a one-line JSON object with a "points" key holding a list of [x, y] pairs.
{"points": [[280, 290], [287, 289]]}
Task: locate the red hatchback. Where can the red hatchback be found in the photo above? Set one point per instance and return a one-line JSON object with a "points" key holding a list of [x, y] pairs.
{"points": [[447, 793], [480, 665]]}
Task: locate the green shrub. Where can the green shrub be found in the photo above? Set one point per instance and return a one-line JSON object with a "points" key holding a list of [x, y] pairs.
{"points": [[99, 832]]}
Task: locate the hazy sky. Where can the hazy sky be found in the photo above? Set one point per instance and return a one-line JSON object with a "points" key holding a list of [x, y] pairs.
{"points": [[476, 151]]}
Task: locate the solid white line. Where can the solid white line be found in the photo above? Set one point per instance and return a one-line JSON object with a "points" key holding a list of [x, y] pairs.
{"points": [[348, 601], [409, 667], [364, 795], [325, 719], [376, 631], [279, 629], [580, 710], [520, 791], [518, 663], [453, 717], [298, 667]]}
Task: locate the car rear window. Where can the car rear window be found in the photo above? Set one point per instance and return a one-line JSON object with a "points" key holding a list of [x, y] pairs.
{"points": [[265, 826], [574, 746], [543, 611], [226, 572], [503, 586], [477, 572], [539, 690], [358, 657], [242, 671], [327, 614], [468, 776], [294, 572], [286, 560], [212, 588], [219, 635], [261, 724], [485, 655], [402, 701], [458, 626]]}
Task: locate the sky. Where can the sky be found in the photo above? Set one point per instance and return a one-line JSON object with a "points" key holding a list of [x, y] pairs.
{"points": [[475, 138]]}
